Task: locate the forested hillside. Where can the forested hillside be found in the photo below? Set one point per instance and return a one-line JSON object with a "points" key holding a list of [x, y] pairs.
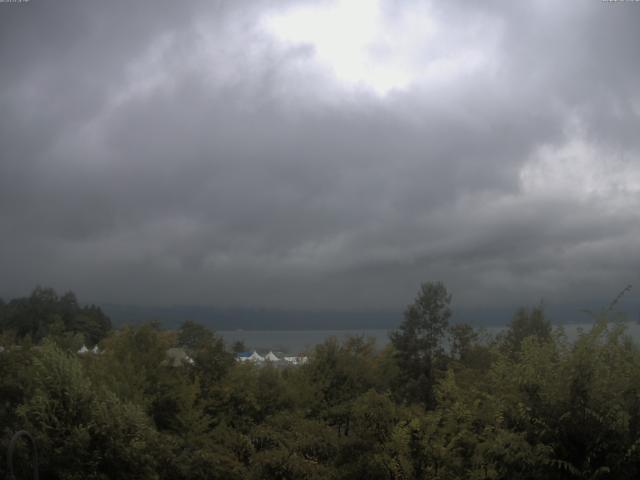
{"points": [[528, 404]]}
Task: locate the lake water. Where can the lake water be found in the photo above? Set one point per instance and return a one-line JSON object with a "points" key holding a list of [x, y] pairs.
{"points": [[295, 341]]}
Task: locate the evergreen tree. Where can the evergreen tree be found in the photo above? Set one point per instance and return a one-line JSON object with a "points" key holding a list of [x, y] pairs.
{"points": [[418, 342]]}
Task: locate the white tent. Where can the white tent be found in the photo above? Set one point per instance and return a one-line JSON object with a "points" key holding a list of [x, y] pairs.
{"points": [[271, 357], [84, 349], [256, 357], [95, 350]]}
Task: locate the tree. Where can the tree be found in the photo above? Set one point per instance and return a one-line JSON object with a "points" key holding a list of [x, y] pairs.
{"points": [[83, 430], [418, 342], [376, 447], [193, 335], [463, 338], [44, 313], [288, 446], [337, 374], [524, 324], [239, 346], [132, 360], [212, 362]]}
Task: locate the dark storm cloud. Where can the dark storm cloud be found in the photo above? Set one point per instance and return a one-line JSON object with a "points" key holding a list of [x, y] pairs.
{"points": [[179, 153]]}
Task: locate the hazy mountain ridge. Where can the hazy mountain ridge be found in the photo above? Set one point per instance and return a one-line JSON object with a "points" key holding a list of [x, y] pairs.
{"points": [[279, 319]]}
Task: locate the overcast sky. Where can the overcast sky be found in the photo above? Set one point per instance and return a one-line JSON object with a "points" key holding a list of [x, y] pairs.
{"points": [[325, 154]]}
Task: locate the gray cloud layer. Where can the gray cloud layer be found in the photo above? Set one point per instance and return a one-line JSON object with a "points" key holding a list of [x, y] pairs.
{"points": [[180, 152]]}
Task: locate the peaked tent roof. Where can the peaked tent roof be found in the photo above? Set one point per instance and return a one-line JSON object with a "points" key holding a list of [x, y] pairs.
{"points": [[271, 357], [256, 357]]}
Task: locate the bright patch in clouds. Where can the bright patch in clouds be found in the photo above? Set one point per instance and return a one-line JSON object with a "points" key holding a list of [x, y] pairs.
{"points": [[362, 46], [583, 171], [349, 39]]}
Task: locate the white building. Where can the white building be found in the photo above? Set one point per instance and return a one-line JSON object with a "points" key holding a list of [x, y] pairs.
{"points": [[95, 350], [176, 357], [296, 360]]}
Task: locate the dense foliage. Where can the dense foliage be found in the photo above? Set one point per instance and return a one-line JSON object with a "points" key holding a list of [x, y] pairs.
{"points": [[439, 402], [44, 313]]}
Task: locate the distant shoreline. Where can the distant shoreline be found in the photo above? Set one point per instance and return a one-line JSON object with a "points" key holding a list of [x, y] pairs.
{"points": [[295, 341]]}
